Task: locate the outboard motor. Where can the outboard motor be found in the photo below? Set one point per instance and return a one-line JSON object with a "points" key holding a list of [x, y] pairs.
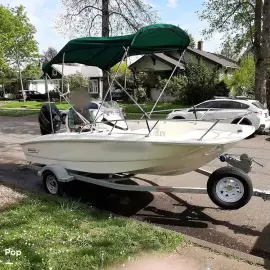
{"points": [[44, 119]]}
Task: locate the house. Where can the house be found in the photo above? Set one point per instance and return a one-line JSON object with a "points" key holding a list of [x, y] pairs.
{"points": [[164, 63], [94, 74]]}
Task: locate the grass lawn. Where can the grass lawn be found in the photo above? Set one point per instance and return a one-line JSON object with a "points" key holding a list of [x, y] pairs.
{"points": [[31, 104], [133, 112], [130, 108], [17, 113], [57, 233]]}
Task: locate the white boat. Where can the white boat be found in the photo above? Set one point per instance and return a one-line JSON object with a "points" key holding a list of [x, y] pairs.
{"points": [[163, 148], [170, 148]]}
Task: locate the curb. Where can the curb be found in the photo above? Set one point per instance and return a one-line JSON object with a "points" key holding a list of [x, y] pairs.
{"points": [[228, 251]]}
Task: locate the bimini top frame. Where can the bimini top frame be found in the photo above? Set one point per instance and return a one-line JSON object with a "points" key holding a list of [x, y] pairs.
{"points": [[105, 52]]}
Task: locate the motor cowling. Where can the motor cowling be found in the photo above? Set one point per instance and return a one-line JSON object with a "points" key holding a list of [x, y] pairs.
{"points": [[44, 119]]}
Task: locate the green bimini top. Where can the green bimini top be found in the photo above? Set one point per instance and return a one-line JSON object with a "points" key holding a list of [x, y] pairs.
{"points": [[105, 52]]}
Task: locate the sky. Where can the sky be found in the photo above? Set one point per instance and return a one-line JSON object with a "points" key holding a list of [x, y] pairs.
{"points": [[178, 12]]}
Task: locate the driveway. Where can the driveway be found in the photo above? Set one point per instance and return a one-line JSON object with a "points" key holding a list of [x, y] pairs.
{"points": [[247, 229]]}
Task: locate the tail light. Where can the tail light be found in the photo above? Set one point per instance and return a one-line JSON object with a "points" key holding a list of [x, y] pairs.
{"points": [[259, 113]]}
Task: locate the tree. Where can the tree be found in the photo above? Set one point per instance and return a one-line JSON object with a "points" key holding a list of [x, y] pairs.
{"points": [[76, 82], [106, 17], [122, 69], [50, 53], [245, 23], [192, 43], [198, 84], [242, 81], [229, 50], [31, 71], [18, 45]]}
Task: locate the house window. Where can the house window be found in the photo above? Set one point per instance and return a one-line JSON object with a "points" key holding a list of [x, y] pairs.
{"points": [[94, 88], [54, 72]]}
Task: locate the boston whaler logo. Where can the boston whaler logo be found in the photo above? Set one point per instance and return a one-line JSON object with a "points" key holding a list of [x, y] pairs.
{"points": [[33, 150]]}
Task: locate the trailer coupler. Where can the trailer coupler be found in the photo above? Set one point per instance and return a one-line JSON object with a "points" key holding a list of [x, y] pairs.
{"points": [[264, 194], [244, 163]]}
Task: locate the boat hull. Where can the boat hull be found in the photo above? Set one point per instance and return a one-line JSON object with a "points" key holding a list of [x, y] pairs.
{"points": [[125, 157], [170, 148]]}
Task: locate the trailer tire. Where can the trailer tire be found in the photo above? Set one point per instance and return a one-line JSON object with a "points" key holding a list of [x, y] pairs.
{"points": [[229, 188], [51, 183]]}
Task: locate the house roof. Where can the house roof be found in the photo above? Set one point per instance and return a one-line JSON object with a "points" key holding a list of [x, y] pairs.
{"points": [[162, 57], [169, 60], [87, 71], [211, 57], [217, 58]]}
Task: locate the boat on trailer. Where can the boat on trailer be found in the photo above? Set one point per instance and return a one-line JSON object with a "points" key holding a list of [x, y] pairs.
{"points": [[163, 147], [169, 148]]}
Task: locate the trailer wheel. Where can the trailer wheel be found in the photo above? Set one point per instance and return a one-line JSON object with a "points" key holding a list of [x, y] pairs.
{"points": [[229, 188], [51, 183]]}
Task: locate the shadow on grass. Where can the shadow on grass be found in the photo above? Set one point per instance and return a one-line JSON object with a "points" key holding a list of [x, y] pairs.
{"points": [[124, 203]]}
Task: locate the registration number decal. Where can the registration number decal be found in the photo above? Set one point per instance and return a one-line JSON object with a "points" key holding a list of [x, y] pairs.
{"points": [[33, 150]]}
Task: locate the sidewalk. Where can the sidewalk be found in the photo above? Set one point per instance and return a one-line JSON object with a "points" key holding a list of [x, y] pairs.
{"points": [[189, 257]]}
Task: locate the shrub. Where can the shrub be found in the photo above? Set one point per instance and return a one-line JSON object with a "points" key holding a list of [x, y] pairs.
{"points": [[197, 84]]}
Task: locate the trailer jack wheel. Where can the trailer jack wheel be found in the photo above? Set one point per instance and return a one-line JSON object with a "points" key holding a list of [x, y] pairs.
{"points": [[51, 183], [229, 188]]}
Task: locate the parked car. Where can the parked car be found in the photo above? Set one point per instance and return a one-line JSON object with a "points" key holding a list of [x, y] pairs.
{"points": [[37, 96], [9, 96], [232, 109], [119, 94], [110, 107]]}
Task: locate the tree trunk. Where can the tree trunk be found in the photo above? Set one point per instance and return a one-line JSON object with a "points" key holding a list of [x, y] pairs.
{"points": [[266, 45], [20, 76], [105, 33], [259, 74]]}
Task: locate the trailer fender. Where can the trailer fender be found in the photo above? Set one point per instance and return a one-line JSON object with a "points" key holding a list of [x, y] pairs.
{"points": [[60, 172]]}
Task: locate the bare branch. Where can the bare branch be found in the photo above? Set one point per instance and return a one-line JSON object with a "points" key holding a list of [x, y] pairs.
{"points": [[129, 11], [87, 8], [125, 18], [92, 21]]}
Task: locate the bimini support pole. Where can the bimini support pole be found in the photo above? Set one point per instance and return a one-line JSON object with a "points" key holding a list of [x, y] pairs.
{"points": [[176, 66], [138, 105], [47, 90], [113, 79], [62, 86]]}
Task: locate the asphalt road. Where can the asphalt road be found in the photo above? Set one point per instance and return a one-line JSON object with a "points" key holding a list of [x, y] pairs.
{"points": [[247, 229]]}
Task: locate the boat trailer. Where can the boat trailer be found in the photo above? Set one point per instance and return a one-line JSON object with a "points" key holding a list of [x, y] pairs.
{"points": [[228, 187]]}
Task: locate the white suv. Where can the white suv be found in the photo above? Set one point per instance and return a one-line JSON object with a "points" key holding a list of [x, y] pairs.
{"points": [[232, 109]]}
